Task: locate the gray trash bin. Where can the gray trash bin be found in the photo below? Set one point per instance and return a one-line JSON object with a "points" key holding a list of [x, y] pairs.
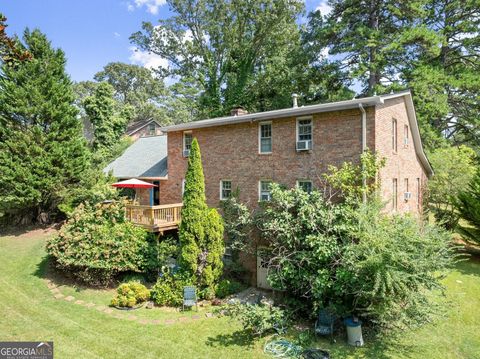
{"points": [[354, 331]]}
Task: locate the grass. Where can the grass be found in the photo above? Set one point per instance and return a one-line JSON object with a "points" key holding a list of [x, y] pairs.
{"points": [[29, 312]]}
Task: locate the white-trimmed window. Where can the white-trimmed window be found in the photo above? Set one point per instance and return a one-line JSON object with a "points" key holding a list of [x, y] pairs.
{"points": [[406, 140], [265, 137], [304, 129], [394, 194], [394, 135], [225, 189], [183, 186], [187, 143], [151, 129], [305, 185], [264, 190]]}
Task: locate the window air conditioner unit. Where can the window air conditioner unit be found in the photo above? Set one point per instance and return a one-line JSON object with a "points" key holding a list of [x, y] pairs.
{"points": [[186, 153], [407, 195], [304, 145]]}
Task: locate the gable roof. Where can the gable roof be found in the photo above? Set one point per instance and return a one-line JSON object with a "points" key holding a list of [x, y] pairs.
{"points": [[145, 158], [311, 109], [138, 125]]}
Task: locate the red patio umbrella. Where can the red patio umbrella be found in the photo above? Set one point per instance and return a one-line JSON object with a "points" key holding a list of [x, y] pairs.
{"points": [[133, 183]]}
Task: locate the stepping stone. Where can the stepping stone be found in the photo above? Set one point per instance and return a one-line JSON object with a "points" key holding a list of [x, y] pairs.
{"points": [[209, 315], [194, 317], [101, 308], [132, 317], [69, 298], [108, 311], [156, 321], [169, 321], [183, 319], [51, 285], [118, 316], [79, 302], [143, 321], [90, 305], [58, 296], [55, 290]]}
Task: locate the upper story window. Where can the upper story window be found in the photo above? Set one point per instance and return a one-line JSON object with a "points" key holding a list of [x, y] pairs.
{"points": [[264, 190], [151, 129], [187, 143], [304, 134], [405, 136], [265, 137], [305, 185], [225, 189], [394, 135], [183, 186]]}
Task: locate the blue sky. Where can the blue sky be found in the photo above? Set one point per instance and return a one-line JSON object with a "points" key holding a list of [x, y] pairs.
{"points": [[92, 32]]}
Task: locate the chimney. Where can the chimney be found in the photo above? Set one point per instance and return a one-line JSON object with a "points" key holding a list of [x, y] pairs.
{"points": [[238, 111], [294, 97]]}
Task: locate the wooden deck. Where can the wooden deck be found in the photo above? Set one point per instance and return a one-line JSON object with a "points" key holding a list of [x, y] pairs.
{"points": [[155, 218]]}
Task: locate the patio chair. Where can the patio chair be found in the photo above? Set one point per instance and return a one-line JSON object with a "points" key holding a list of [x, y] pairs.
{"points": [[189, 297], [325, 322]]}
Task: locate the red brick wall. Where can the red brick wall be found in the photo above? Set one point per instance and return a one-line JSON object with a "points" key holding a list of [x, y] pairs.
{"points": [[231, 153], [400, 164]]}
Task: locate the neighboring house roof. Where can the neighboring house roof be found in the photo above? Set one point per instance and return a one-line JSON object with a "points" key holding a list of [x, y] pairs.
{"points": [[138, 125], [311, 109], [146, 158]]}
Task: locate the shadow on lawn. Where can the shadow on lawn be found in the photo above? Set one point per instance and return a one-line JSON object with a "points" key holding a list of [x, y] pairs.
{"points": [[241, 338], [47, 270], [469, 266]]}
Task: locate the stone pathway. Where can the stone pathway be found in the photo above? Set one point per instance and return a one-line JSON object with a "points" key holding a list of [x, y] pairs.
{"points": [[56, 293]]}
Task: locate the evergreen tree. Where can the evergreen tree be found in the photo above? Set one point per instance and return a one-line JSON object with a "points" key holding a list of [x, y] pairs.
{"points": [[201, 229], [446, 83], [108, 122], [468, 206], [42, 150], [375, 39]]}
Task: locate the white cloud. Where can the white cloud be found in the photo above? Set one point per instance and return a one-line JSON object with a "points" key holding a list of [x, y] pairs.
{"points": [[151, 5], [324, 8], [116, 34], [130, 7], [146, 59]]}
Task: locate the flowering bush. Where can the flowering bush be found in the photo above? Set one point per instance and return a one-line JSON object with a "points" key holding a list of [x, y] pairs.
{"points": [[97, 243]]}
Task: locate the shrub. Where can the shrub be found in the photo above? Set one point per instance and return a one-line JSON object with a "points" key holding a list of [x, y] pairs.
{"points": [[130, 294], [454, 169], [353, 257], [468, 206], [168, 291], [96, 244], [201, 229], [258, 319], [228, 287]]}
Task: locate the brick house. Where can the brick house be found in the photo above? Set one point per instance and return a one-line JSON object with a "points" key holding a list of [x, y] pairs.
{"points": [[294, 146]]}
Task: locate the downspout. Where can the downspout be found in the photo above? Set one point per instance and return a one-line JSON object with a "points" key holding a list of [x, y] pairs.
{"points": [[364, 148]]}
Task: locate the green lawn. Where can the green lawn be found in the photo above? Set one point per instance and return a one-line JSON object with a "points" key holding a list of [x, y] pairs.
{"points": [[28, 311]]}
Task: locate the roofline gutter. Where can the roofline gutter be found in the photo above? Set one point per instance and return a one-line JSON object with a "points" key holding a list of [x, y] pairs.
{"points": [[284, 113]]}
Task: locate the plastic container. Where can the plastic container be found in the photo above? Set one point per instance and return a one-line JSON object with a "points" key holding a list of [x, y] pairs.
{"points": [[354, 331]]}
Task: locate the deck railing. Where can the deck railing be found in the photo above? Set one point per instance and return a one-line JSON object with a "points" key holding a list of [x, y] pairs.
{"points": [[155, 218]]}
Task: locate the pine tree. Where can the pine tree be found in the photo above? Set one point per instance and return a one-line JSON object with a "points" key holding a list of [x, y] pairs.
{"points": [[42, 150], [374, 39], [201, 229], [468, 206]]}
